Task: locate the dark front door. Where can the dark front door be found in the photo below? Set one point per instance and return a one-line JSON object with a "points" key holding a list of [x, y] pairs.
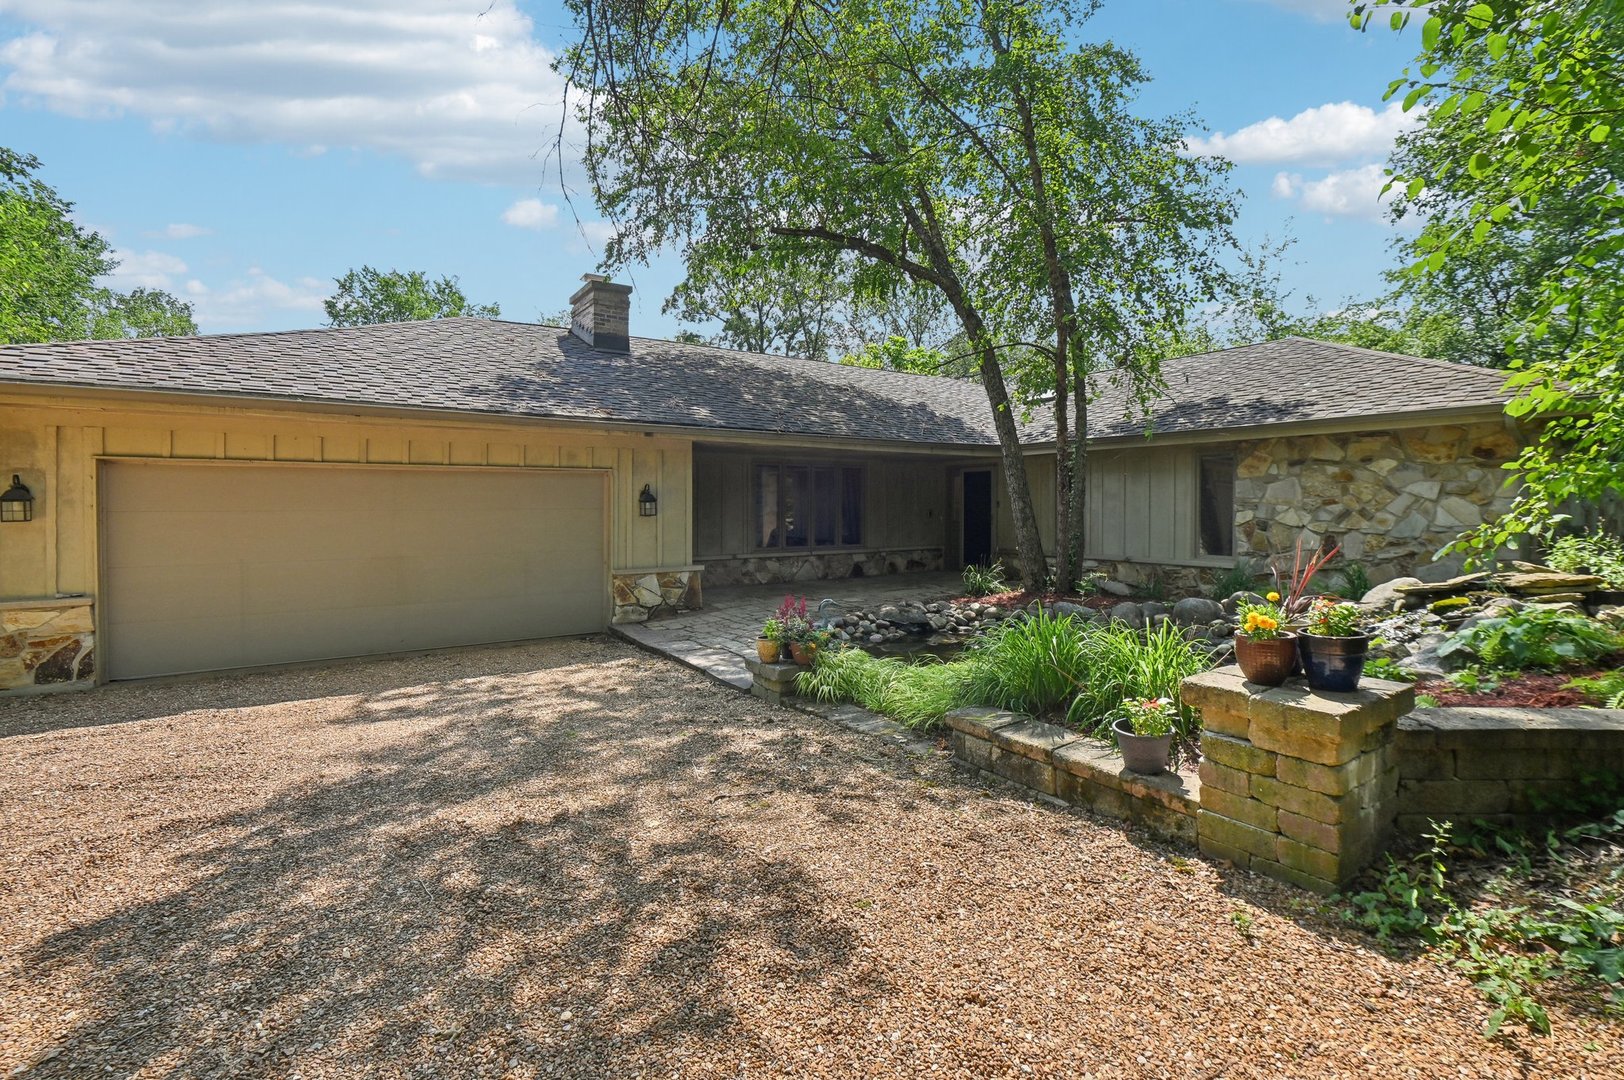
{"points": [[978, 518]]}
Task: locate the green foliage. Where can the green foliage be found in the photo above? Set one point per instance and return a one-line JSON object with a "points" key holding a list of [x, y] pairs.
{"points": [[1527, 100], [895, 354], [766, 308], [1149, 716], [1532, 638], [49, 267], [984, 580], [1033, 664], [1425, 701], [1327, 618], [1354, 582], [1606, 689], [1122, 664], [368, 296], [1593, 553], [1567, 926], [917, 695], [1261, 622], [1475, 681], [1244, 576], [1383, 667]]}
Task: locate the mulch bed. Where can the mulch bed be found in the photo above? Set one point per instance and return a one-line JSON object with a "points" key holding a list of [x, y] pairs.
{"points": [[1533, 690]]}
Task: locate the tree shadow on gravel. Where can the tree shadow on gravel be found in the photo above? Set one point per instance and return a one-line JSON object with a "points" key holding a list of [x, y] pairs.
{"points": [[129, 702], [493, 890]]}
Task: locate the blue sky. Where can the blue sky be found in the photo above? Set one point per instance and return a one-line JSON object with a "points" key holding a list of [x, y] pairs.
{"points": [[243, 154]]}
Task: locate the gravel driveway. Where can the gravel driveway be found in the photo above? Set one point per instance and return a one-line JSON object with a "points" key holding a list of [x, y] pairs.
{"points": [[573, 859]]}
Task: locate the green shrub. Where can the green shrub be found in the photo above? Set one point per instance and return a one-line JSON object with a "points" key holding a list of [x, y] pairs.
{"points": [[1244, 576], [1595, 553], [1542, 638], [1354, 582], [984, 580], [1032, 665], [1121, 664]]}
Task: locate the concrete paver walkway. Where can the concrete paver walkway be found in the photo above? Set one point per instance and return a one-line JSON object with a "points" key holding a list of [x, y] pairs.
{"points": [[717, 639]]}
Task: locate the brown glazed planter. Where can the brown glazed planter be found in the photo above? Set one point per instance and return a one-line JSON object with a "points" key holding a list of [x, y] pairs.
{"points": [[804, 652], [1267, 663], [767, 650]]}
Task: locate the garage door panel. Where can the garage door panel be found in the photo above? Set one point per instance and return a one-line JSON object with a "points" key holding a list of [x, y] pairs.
{"points": [[226, 566]]}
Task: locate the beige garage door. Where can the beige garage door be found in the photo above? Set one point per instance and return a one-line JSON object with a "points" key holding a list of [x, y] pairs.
{"points": [[224, 566]]}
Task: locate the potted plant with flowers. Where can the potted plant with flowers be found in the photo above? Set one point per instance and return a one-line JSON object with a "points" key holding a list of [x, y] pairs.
{"points": [[1333, 647], [1144, 732], [770, 645], [1265, 650]]}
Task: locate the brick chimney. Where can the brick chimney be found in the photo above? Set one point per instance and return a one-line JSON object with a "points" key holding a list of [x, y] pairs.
{"points": [[600, 312]]}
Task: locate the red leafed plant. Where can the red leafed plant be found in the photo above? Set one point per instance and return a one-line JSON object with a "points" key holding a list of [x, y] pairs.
{"points": [[791, 616], [1294, 588]]}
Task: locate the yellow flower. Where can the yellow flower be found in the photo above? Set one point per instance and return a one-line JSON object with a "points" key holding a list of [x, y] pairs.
{"points": [[1267, 623], [1274, 598]]}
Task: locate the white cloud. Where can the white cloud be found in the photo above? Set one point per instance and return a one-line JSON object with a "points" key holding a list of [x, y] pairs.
{"points": [[246, 303], [1324, 135], [179, 231], [1353, 193], [460, 89], [531, 214], [143, 270]]}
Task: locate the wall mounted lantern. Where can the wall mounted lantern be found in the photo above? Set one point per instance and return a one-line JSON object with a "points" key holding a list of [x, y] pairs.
{"points": [[17, 504], [647, 504]]}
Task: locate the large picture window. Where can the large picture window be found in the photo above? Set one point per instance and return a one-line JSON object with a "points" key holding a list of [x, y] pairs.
{"points": [[1217, 504], [808, 506]]}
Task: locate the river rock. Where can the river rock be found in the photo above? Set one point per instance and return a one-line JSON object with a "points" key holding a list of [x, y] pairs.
{"points": [[1130, 613], [1197, 610], [1389, 593], [1114, 588], [1548, 582]]}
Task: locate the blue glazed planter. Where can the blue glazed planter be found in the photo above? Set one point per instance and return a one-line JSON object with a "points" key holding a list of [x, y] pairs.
{"points": [[1333, 663]]}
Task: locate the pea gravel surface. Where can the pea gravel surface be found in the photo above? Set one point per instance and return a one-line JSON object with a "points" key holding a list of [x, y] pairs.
{"points": [[572, 859]]}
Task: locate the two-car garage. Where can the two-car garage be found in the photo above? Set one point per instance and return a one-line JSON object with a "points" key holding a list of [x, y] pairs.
{"points": [[218, 565]]}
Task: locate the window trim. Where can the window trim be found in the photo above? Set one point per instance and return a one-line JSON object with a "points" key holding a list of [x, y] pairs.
{"points": [[839, 468]]}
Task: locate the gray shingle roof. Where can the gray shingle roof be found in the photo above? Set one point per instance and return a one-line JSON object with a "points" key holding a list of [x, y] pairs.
{"points": [[1287, 381], [520, 369]]}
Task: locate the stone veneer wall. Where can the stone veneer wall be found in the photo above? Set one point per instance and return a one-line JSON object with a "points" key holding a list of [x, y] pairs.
{"points": [[820, 566], [1390, 499], [47, 644], [638, 596]]}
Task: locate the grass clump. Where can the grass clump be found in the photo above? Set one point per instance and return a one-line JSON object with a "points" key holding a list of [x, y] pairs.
{"points": [[1121, 663], [1032, 664], [917, 694], [984, 580]]}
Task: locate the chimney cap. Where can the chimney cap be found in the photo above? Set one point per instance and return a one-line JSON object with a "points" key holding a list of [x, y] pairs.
{"points": [[594, 277]]}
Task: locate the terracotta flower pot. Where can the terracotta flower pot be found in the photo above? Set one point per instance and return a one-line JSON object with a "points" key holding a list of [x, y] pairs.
{"points": [[768, 650], [804, 652], [1333, 663], [1143, 754], [1267, 662]]}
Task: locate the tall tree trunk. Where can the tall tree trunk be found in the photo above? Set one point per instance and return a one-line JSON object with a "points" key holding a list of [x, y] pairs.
{"points": [[1076, 508]]}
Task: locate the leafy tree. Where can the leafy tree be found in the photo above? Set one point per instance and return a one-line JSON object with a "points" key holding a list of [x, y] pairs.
{"points": [[1532, 95], [794, 309], [958, 146], [895, 354], [368, 296], [49, 267]]}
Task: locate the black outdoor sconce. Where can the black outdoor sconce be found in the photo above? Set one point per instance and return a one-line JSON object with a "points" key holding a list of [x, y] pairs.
{"points": [[17, 504], [647, 504]]}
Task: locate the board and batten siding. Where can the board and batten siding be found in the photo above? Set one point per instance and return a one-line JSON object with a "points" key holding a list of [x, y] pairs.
{"points": [[55, 445], [1142, 505], [904, 500]]}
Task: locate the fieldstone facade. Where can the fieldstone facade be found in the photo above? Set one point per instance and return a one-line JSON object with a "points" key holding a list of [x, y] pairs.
{"points": [[1391, 499], [820, 566], [47, 645], [639, 596]]}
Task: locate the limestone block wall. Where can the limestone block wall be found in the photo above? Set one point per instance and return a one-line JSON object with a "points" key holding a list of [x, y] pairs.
{"points": [[1391, 499], [638, 595], [1296, 785], [820, 566], [1502, 765], [47, 644]]}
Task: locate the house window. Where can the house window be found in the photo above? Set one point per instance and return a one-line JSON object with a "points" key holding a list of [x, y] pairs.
{"points": [[808, 506], [1216, 513]]}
